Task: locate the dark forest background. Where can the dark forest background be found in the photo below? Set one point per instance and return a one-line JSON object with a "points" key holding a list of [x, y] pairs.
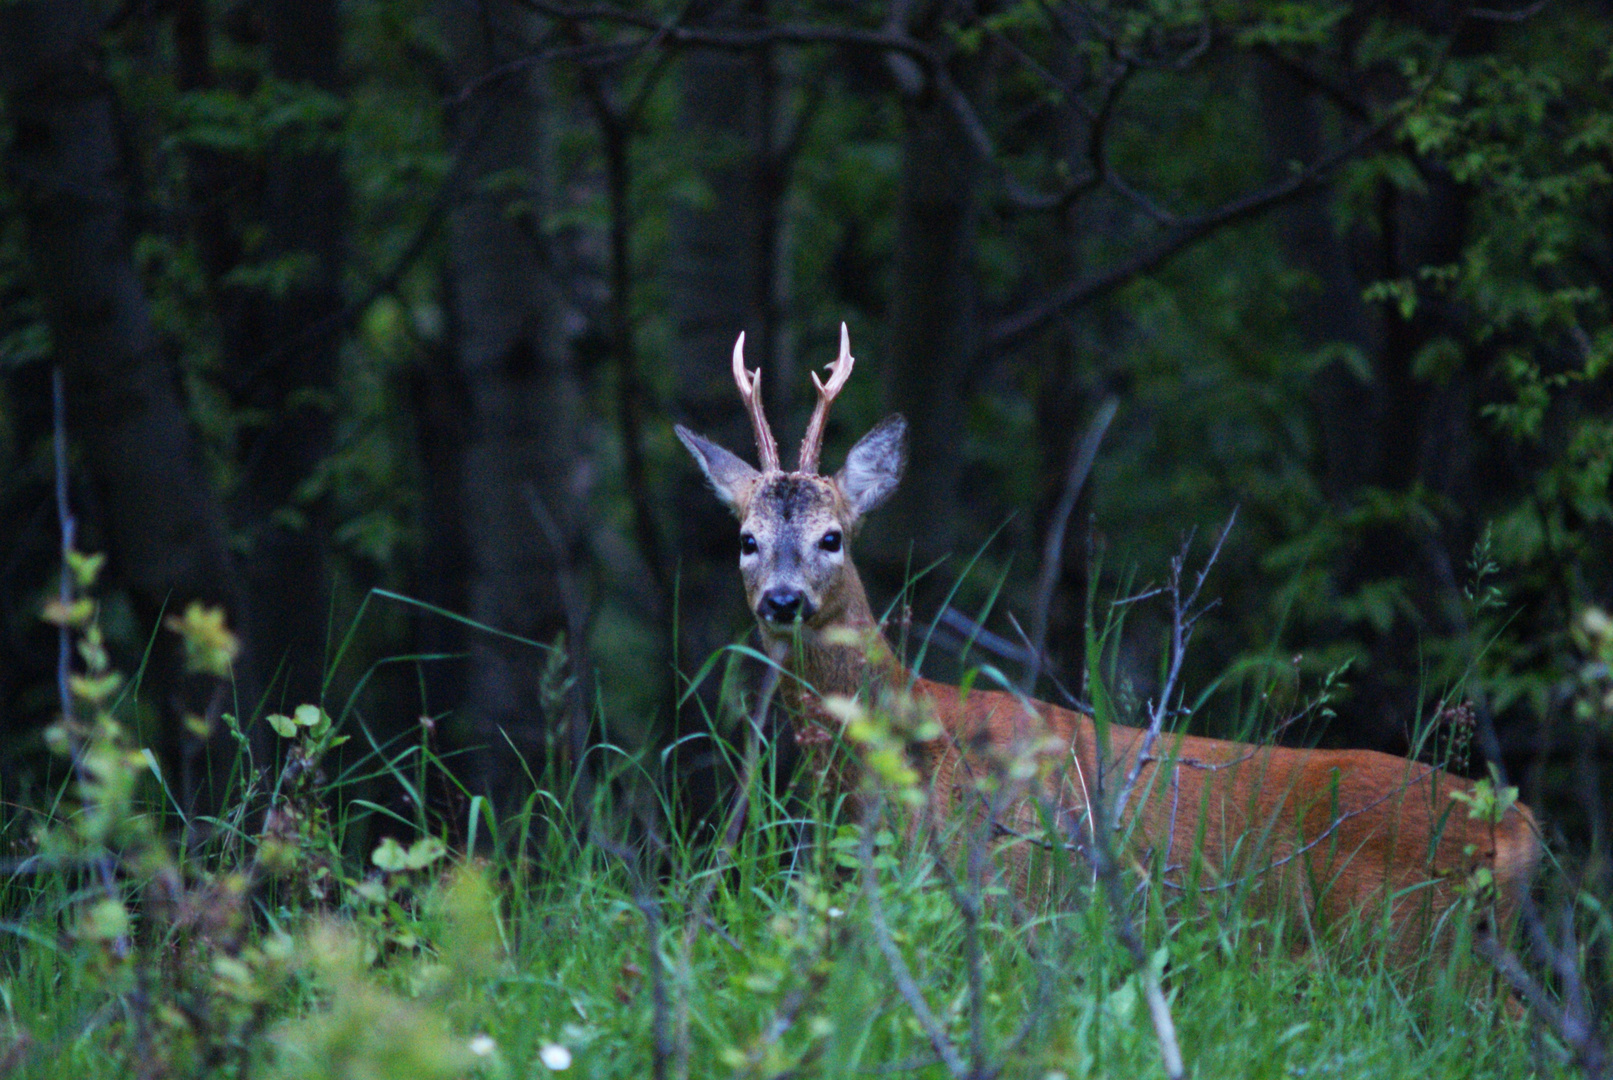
{"points": [[407, 296]]}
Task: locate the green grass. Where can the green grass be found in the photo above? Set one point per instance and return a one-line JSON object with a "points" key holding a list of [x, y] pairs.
{"points": [[769, 961]]}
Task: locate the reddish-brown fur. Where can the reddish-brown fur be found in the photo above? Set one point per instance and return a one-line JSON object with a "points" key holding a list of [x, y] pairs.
{"points": [[1341, 831]]}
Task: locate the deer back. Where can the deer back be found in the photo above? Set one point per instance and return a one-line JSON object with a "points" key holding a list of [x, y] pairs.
{"points": [[1344, 832]]}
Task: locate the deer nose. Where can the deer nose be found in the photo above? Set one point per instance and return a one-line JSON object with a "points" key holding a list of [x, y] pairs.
{"points": [[784, 605]]}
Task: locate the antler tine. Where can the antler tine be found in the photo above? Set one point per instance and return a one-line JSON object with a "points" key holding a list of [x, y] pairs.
{"points": [[750, 388], [839, 372]]}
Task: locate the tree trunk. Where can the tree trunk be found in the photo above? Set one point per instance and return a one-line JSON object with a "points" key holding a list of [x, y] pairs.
{"points": [[167, 529], [280, 347], [1336, 313], [934, 328], [282, 353], [723, 280], [1394, 432], [521, 460]]}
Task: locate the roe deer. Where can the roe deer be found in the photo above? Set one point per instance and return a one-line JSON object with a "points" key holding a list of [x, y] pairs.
{"points": [[1340, 831]]}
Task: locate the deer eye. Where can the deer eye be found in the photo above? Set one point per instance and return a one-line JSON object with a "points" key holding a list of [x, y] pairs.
{"points": [[747, 544], [830, 541]]}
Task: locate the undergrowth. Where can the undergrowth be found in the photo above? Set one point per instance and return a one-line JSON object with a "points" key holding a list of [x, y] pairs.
{"points": [[465, 968], [616, 942]]}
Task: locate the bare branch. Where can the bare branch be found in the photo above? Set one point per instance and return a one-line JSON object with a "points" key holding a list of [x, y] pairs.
{"points": [[1315, 80], [906, 985], [1190, 231], [890, 41], [662, 1050], [104, 869], [739, 39], [1522, 14], [974, 634], [1326, 834], [1183, 616], [904, 69], [1019, 196], [1573, 1024], [1082, 455], [1148, 593], [1140, 199], [1106, 868]]}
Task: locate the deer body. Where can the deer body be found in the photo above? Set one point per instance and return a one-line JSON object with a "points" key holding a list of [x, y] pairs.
{"points": [[1342, 831]]}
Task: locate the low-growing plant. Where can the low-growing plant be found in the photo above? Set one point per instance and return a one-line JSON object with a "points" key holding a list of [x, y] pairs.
{"points": [[158, 932]]}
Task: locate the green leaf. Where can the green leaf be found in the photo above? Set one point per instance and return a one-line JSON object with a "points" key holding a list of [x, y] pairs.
{"points": [[423, 852], [312, 717], [105, 920], [86, 568], [390, 856]]}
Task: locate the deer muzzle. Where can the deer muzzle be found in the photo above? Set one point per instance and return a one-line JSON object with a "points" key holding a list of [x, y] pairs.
{"points": [[782, 605]]}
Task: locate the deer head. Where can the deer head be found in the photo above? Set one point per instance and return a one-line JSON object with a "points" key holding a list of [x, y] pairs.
{"points": [[795, 528]]}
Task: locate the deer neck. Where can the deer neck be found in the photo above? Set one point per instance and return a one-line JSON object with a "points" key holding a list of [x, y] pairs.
{"points": [[839, 657]]}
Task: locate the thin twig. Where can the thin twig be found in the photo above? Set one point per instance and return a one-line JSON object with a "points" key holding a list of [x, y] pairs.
{"points": [[981, 845], [725, 851], [1083, 453], [1071, 700], [957, 633], [967, 897], [1574, 1021], [69, 531], [661, 1048], [800, 995], [1522, 14], [1106, 868], [906, 985], [1183, 616], [64, 636], [739, 39], [1577, 1028]]}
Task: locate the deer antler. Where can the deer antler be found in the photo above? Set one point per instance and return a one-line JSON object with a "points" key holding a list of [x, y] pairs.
{"points": [[750, 388], [839, 372]]}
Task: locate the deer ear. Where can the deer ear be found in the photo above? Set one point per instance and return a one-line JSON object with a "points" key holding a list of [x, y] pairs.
{"points": [[875, 464], [730, 477]]}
